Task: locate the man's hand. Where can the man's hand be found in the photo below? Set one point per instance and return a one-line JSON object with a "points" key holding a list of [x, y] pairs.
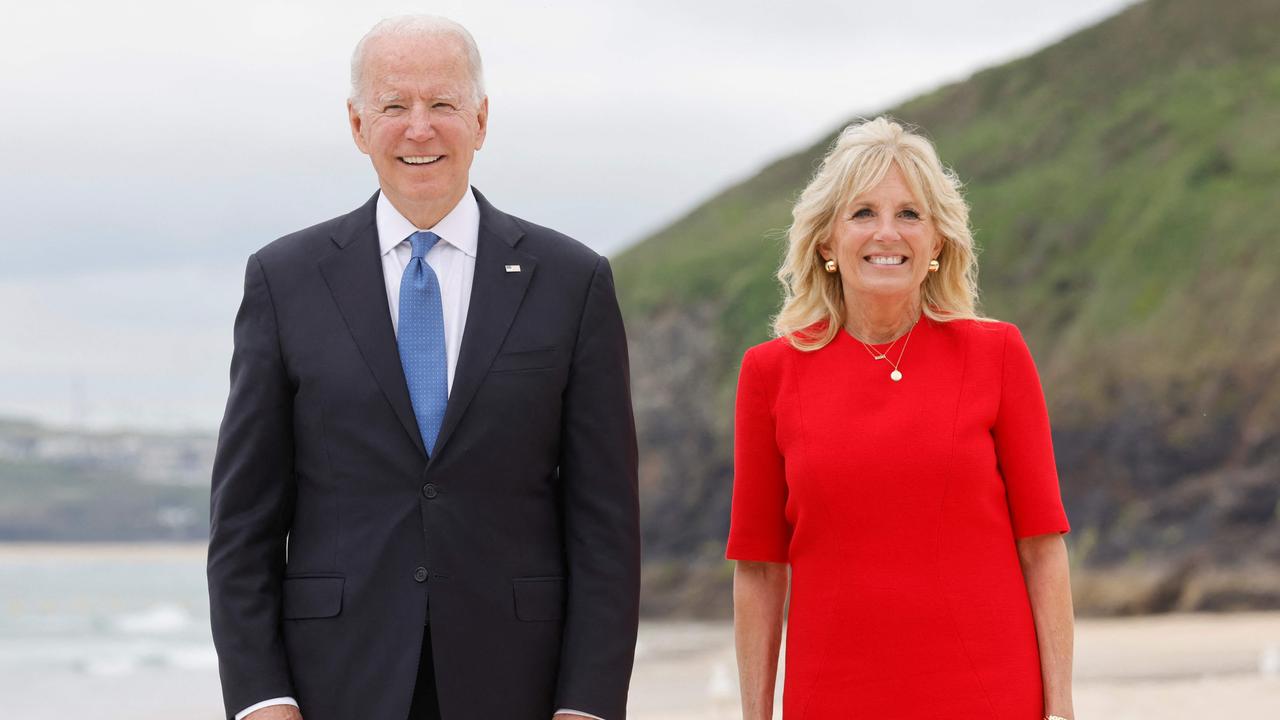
{"points": [[275, 712]]}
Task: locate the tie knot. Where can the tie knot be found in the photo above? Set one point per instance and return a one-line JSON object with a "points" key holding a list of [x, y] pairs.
{"points": [[422, 242]]}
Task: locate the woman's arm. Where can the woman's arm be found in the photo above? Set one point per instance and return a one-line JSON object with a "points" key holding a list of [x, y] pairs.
{"points": [[759, 595], [1044, 566]]}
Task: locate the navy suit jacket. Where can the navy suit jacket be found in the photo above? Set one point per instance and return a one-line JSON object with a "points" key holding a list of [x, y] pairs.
{"points": [[335, 534]]}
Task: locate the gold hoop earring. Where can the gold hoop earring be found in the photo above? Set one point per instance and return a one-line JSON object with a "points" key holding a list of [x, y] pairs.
{"points": [[934, 266], [830, 266]]}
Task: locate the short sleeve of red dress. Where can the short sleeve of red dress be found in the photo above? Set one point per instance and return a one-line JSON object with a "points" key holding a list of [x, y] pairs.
{"points": [[1024, 446], [758, 526]]}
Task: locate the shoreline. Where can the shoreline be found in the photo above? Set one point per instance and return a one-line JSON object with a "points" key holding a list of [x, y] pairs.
{"points": [[116, 550]]}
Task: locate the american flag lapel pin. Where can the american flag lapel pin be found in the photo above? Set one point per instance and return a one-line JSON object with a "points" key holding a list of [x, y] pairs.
{"points": [[513, 268]]}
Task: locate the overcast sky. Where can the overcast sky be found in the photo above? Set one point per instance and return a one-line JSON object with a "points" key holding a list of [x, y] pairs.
{"points": [[149, 147]]}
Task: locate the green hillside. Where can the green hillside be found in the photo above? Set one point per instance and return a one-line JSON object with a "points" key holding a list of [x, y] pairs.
{"points": [[1124, 186]]}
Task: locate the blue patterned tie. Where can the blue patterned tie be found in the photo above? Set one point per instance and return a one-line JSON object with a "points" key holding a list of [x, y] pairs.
{"points": [[421, 340]]}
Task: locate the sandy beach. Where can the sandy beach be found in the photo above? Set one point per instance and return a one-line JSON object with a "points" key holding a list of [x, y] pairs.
{"points": [[1173, 667]]}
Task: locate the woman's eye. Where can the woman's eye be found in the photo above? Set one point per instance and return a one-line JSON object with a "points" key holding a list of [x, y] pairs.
{"points": [[862, 212], [911, 214]]}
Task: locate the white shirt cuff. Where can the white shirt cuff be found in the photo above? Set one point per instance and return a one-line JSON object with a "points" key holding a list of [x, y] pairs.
{"points": [[565, 710], [266, 703], [290, 701]]}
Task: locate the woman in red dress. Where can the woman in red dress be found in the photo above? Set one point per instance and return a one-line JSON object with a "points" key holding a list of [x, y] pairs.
{"points": [[892, 449]]}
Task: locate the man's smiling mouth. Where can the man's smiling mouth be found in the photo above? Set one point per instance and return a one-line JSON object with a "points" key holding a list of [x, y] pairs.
{"points": [[419, 159]]}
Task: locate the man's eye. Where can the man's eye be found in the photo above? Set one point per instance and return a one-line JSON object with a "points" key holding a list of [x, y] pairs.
{"points": [[443, 106], [389, 108]]}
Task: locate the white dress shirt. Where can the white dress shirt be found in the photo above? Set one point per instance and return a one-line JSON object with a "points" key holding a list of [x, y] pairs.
{"points": [[453, 259]]}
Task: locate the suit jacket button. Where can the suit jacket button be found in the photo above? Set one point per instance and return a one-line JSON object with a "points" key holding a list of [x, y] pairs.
{"points": [[429, 490], [420, 574]]}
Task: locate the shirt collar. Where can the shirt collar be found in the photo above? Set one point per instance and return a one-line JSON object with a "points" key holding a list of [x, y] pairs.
{"points": [[460, 228]]}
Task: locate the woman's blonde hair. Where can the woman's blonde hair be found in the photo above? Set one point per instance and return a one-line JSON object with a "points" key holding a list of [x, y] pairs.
{"points": [[813, 308]]}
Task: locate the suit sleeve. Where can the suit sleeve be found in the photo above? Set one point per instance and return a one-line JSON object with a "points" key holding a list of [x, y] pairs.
{"points": [[251, 507], [1024, 445], [598, 473]]}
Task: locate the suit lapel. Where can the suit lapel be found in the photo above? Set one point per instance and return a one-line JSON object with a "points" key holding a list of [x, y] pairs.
{"points": [[354, 276], [495, 297]]}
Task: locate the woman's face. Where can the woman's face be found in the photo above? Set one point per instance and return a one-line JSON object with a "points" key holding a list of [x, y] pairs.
{"points": [[882, 242]]}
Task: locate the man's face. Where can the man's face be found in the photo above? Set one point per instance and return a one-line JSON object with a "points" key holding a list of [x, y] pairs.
{"points": [[420, 123]]}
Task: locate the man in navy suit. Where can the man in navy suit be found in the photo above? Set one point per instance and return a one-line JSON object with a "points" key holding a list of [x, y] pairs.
{"points": [[424, 495]]}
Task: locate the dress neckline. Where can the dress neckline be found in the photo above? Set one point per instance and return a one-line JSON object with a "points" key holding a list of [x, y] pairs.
{"points": [[920, 321]]}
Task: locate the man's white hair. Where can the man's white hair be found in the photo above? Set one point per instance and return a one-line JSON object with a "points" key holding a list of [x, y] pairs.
{"points": [[431, 26]]}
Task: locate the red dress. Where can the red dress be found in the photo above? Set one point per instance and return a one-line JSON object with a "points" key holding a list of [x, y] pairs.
{"points": [[897, 505]]}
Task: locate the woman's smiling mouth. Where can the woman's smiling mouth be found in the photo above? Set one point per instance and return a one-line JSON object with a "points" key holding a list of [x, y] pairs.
{"points": [[886, 259]]}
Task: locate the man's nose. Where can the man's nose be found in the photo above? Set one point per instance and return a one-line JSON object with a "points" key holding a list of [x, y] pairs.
{"points": [[419, 128]]}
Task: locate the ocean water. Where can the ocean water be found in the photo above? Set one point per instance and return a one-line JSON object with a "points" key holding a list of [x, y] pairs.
{"points": [[105, 633], [116, 632]]}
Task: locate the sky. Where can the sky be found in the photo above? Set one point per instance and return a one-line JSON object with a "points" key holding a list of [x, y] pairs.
{"points": [[150, 147]]}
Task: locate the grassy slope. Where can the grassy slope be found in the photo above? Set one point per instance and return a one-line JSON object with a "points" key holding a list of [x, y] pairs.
{"points": [[1122, 183]]}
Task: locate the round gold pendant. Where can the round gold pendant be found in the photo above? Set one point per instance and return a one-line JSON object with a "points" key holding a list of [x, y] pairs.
{"points": [[895, 375]]}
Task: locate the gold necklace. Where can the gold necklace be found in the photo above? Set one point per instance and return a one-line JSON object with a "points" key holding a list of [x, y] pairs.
{"points": [[896, 375], [877, 355]]}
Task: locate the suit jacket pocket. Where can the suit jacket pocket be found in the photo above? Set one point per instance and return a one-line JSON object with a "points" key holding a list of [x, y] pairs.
{"points": [[312, 597], [539, 599], [518, 360]]}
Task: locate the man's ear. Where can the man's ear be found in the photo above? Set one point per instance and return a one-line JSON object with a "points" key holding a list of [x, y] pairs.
{"points": [[357, 125], [482, 119]]}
